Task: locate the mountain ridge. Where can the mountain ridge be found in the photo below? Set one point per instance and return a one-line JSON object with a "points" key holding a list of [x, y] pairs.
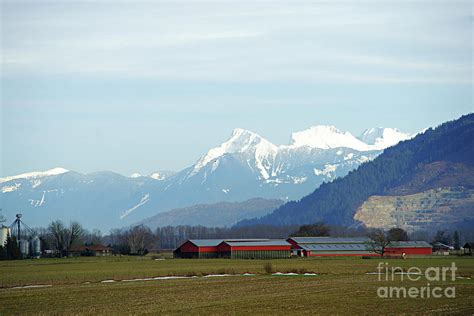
{"points": [[245, 166], [336, 202]]}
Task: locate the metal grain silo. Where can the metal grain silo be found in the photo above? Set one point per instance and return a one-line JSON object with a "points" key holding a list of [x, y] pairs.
{"points": [[24, 248], [4, 232], [35, 247]]}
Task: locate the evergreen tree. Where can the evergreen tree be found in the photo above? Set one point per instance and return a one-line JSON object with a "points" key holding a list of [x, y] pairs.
{"points": [[12, 248], [397, 234], [316, 230]]}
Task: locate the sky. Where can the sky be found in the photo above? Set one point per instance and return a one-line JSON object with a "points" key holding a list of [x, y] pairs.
{"points": [[145, 86]]}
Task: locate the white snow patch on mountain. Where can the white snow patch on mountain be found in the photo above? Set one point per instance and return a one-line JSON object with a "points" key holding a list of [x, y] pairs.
{"points": [[11, 188], [348, 156], [135, 175], [161, 175], [35, 183], [326, 137], [38, 203], [380, 138], [36, 174], [157, 176], [226, 191], [143, 200], [299, 180], [328, 170]]}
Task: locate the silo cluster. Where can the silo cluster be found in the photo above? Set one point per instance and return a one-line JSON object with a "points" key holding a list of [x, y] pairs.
{"points": [[30, 248]]}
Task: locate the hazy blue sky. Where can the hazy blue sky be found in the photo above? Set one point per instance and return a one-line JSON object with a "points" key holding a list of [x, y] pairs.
{"points": [[142, 87]]}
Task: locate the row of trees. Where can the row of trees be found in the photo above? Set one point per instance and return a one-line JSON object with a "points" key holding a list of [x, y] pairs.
{"points": [[139, 240]]}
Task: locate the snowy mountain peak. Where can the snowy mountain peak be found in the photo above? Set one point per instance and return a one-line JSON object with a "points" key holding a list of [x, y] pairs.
{"points": [[326, 137], [161, 175], [241, 141], [237, 132], [35, 174], [381, 137]]}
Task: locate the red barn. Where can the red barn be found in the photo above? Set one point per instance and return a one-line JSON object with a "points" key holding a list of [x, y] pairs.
{"points": [[399, 248], [263, 249], [198, 248], [206, 248]]}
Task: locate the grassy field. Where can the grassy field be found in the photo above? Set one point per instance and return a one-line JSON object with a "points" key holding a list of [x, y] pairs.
{"points": [[341, 285]]}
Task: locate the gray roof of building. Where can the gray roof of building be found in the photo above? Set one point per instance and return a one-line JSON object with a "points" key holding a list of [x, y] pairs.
{"points": [[329, 240], [276, 242], [206, 242], [336, 247], [215, 242], [410, 244]]}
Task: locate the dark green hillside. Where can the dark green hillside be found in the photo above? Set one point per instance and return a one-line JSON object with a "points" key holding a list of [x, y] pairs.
{"points": [[336, 202]]}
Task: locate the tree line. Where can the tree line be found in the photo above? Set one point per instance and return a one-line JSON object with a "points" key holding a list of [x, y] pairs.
{"points": [[59, 238]]}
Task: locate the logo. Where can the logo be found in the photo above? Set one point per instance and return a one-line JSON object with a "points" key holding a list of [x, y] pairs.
{"points": [[387, 273]]}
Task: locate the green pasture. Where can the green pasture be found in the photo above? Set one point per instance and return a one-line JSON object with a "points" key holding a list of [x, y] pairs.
{"points": [[342, 285]]}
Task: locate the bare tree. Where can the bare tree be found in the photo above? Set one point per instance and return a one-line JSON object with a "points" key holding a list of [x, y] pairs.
{"points": [[74, 234], [138, 238], [379, 240], [58, 234], [65, 237], [94, 237]]}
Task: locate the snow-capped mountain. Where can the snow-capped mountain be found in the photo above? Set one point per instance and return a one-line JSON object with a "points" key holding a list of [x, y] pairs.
{"points": [[243, 167], [327, 137], [35, 174], [380, 138]]}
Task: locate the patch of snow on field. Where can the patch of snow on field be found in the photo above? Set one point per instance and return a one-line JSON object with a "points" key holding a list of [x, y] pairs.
{"points": [[218, 275], [281, 273], [32, 286], [135, 280], [174, 277]]}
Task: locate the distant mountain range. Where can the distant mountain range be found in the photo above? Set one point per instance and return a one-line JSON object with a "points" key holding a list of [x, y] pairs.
{"points": [[223, 214], [423, 183], [245, 166]]}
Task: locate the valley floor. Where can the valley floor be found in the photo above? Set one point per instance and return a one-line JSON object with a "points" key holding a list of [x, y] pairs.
{"points": [[342, 285]]}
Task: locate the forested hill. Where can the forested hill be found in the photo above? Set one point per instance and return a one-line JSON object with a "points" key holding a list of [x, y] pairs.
{"points": [[336, 202]]}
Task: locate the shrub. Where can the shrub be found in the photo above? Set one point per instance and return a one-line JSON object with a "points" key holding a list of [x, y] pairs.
{"points": [[268, 267]]}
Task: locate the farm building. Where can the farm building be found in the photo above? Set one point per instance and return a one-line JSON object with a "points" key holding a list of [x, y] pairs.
{"points": [[468, 248], [353, 246], [330, 246], [263, 249], [197, 248], [409, 248], [90, 251], [441, 249], [205, 248]]}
